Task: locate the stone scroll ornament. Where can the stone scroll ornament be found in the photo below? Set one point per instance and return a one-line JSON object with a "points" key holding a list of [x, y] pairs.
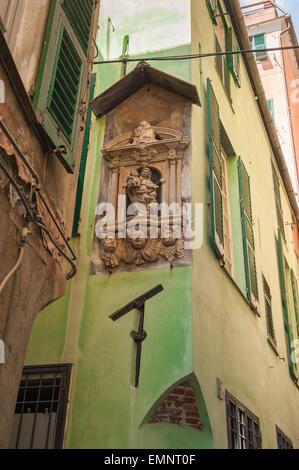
{"points": [[133, 160]]}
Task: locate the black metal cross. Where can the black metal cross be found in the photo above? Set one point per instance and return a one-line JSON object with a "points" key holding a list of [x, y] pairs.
{"points": [[140, 335]]}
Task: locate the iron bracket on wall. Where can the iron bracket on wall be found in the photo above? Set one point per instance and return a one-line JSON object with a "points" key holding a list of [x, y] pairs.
{"points": [[140, 335]]}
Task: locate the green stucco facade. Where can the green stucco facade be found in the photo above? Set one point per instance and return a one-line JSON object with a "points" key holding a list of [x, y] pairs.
{"points": [[201, 326]]}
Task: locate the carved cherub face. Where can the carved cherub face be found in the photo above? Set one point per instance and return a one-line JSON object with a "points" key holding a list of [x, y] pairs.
{"points": [[109, 244], [140, 242], [170, 240]]}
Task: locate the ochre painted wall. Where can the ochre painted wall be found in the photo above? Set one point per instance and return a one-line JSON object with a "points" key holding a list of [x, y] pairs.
{"points": [[230, 341]]}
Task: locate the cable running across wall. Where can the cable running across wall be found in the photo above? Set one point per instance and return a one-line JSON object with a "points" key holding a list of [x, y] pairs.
{"points": [[195, 56]]}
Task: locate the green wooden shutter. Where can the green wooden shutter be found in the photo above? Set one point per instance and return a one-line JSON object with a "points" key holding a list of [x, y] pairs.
{"points": [[62, 77], [268, 310], [80, 16], [215, 163], [248, 235], [83, 160], [285, 305], [234, 61], [271, 108], [212, 7], [259, 42], [229, 47], [295, 299], [278, 206], [218, 58], [65, 87]]}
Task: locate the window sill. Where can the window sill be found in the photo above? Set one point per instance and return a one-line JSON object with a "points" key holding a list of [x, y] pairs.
{"points": [[273, 346]]}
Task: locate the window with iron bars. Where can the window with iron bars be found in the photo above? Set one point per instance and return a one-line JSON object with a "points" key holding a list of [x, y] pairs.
{"points": [[283, 442], [243, 427], [41, 407]]}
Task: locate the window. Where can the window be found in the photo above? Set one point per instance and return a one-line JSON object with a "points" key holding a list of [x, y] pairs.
{"points": [[259, 42], [223, 43], [227, 226], [216, 178], [62, 78], [221, 220], [278, 201], [233, 60], [268, 310], [283, 442], [271, 108], [41, 408], [248, 234], [285, 303], [243, 427], [212, 7]]}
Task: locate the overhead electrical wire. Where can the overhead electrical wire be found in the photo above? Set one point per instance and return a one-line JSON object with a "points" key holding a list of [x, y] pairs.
{"points": [[194, 56]]}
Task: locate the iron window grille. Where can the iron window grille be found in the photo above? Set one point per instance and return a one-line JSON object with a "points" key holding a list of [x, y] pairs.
{"points": [[41, 407], [243, 427], [283, 442]]}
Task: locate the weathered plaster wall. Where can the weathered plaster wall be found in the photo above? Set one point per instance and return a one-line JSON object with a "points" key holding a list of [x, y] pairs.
{"points": [[41, 278], [27, 44], [229, 339], [155, 28]]}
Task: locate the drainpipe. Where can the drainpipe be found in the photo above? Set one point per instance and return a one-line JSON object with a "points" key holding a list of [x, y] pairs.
{"points": [[234, 9]]}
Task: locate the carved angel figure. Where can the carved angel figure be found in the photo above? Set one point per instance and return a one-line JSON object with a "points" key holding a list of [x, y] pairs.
{"points": [[109, 252], [144, 133]]}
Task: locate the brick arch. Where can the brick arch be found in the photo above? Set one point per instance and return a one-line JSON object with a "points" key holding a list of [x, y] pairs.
{"points": [[179, 407]]}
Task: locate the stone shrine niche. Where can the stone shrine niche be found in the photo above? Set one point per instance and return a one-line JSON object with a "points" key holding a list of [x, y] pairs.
{"points": [[143, 166]]}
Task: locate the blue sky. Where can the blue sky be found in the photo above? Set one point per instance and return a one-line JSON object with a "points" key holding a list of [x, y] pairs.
{"points": [[291, 6]]}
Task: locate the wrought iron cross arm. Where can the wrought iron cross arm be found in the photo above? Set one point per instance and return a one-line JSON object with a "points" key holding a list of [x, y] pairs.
{"points": [[136, 303], [140, 335]]}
